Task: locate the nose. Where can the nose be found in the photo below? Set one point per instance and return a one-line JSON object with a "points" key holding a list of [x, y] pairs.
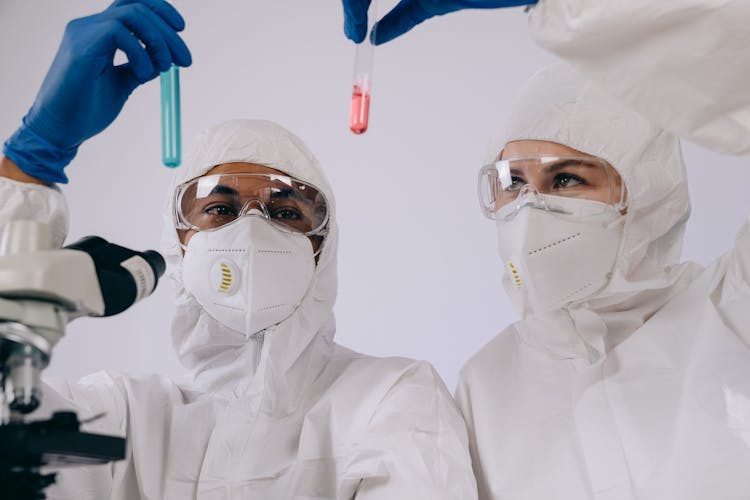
{"points": [[528, 196], [528, 189], [255, 207]]}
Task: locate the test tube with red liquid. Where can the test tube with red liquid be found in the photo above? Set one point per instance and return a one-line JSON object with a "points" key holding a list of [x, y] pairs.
{"points": [[359, 113]]}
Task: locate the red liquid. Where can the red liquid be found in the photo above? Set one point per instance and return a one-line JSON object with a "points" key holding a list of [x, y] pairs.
{"points": [[360, 110]]}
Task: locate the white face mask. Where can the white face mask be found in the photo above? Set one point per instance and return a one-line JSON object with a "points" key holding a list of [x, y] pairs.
{"points": [[248, 275], [554, 257]]}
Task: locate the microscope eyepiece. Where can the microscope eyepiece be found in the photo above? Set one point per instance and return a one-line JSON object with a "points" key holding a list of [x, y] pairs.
{"points": [[125, 276]]}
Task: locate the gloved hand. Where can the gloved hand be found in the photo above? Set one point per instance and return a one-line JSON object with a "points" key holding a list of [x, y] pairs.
{"points": [[84, 91], [407, 14]]}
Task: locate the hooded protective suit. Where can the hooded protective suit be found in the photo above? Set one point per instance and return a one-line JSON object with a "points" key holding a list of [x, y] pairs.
{"points": [[642, 390], [283, 414]]}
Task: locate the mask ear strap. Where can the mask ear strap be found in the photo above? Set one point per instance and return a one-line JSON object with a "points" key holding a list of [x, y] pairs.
{"points": [[323, 233], [623, 203]]}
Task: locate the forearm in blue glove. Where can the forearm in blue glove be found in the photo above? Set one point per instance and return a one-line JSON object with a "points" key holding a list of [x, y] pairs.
{"points": [[407, 14], [84, 91]]}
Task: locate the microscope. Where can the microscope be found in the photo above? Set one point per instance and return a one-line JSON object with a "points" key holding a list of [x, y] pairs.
{"points": [[42, 289]]}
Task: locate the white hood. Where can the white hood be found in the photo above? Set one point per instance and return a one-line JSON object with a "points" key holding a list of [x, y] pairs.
{"points": [[276, 364], [559, 105]]}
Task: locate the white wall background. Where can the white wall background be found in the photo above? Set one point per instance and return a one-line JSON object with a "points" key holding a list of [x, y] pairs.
{"points": [[417, 266]]}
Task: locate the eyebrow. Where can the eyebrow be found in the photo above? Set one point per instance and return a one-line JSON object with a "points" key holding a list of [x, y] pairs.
{"points": [[559, 166], [283, 193], [221, 189], [287, 193], [578, 163], [290, 193]]}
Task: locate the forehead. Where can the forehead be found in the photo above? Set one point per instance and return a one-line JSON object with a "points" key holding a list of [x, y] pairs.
{"points": [[242, 168], [207, 185], [525, 148], [520, 149]]}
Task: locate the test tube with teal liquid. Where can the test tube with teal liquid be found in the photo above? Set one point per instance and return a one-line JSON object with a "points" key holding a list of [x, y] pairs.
{"points": [[171, 142]]}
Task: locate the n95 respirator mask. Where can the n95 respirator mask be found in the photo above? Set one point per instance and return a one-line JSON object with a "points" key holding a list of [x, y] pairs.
{"points": [[248, 275], [556, 250]]}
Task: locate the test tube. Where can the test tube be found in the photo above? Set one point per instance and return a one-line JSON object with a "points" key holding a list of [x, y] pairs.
{"points": [[171, 147], [359, 113]]}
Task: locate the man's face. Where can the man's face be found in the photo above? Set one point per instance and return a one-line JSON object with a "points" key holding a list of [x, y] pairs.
{"points": [[243, 190]]}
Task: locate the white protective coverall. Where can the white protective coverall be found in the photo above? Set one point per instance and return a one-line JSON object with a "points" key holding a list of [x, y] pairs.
{"points": [[285, 414], [643, 390], [684, 64]]}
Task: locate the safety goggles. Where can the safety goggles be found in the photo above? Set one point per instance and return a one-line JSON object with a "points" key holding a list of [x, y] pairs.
{"points": [[213, 201], [508, 181]]}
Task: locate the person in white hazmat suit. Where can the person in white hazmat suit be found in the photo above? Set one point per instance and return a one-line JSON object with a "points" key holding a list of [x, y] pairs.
{"points": [[628, 376], [274, 409]]}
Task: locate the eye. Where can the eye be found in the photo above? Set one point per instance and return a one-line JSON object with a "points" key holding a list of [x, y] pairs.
{"points": [[286, 214], [220, 210], [516, 184], [565, 180]]}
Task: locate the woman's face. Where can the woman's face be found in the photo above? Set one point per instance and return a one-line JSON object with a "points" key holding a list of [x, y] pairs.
{"points": [[607, 190], [242, 168]]}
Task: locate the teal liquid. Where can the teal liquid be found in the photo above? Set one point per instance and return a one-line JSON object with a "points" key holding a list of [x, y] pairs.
{"points": [[171, 135]]}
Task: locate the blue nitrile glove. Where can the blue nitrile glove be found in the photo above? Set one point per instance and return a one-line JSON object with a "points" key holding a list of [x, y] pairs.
{"points": [[407, 14], [84, 91]]}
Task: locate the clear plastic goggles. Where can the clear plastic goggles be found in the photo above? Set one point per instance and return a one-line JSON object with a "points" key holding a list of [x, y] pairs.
{"points": [[213, 201], [583, 177]]}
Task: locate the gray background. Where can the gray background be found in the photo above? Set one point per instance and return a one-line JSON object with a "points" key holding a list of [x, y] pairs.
{"points": [[418, 274]]}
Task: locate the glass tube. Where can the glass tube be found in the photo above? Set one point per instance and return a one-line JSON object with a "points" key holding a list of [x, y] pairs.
{"points": [[359, 113], [171, 147]]}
